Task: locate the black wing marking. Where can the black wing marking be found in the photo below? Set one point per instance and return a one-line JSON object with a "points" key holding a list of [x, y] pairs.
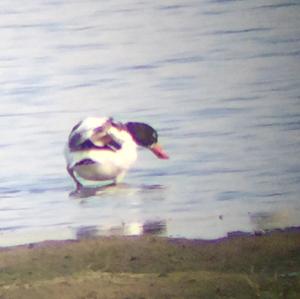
{"points": [[76, 127], [85, 162], [89, 145], [74, 138], [114, 145], [74, 142], [78, 141]]}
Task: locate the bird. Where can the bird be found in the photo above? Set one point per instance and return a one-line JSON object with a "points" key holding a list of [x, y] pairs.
{"points": [[102, 149]]}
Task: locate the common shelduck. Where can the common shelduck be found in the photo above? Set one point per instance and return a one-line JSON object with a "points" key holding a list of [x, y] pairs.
{"points": [[101, 149]]}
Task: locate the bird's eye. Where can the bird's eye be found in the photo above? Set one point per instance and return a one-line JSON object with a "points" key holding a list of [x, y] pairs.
{"points": [[154, 135]]}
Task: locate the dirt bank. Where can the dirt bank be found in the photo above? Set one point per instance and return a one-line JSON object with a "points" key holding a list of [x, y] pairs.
{"points": [[266, 266]]}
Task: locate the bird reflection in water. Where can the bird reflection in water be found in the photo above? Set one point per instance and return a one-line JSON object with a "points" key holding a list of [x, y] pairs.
{"points": [[157, 227]]}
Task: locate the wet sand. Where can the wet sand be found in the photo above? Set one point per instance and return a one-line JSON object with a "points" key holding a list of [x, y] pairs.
{"points": [[239, 266]]}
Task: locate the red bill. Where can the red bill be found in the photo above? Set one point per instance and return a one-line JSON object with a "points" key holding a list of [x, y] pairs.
{"points": [[158, 151]]}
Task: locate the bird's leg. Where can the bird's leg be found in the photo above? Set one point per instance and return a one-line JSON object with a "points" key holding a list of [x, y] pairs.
{"points": [[71, 173]]}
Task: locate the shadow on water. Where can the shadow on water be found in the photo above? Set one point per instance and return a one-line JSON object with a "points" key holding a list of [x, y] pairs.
{"points": [[112, 188]]}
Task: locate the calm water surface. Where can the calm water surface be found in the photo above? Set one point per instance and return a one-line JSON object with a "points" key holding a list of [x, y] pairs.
{"points": [[218, 79]]}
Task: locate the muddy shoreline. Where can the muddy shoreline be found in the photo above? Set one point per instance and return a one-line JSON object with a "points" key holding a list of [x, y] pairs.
{"points": [[238, 266]]}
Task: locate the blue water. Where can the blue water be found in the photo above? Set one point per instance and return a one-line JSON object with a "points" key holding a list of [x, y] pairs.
{"points": [[219, 80]]}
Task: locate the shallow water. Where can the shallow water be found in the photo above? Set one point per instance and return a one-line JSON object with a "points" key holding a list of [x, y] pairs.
{"points": [[218, 79]]}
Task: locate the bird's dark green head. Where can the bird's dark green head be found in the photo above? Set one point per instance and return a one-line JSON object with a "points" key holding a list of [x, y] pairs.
{"points": [[143, 134]]}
